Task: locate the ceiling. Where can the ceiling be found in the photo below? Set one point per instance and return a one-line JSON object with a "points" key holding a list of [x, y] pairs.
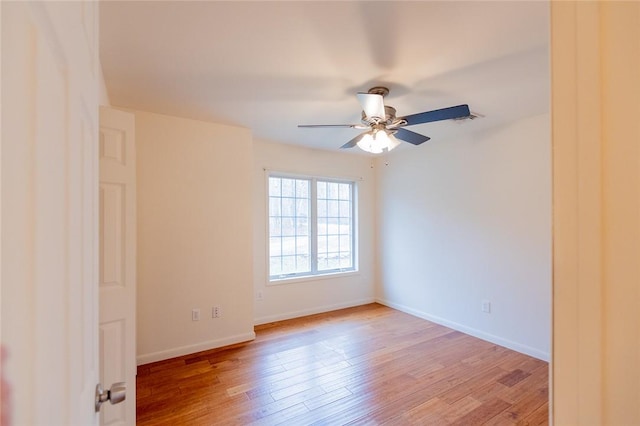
{"points": [[269, 66]]}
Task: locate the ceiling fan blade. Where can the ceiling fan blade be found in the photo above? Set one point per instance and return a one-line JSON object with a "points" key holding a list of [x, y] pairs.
{"points": [[459, 111], [372, 105], [353, 142], [411, 137], [352, 126]]}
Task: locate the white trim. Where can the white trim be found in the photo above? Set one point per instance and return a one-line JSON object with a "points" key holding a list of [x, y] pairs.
{"points": [[316, 277], [312, 311], [519, 347], [301, 174], [313, 230], [198, 347]]}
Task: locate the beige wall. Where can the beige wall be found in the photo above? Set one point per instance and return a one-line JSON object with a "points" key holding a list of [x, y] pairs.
{"points": [[596, 194], [194, 235], [307, 296]]}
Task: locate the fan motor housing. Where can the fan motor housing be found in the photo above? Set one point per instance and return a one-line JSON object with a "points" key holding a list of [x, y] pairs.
{"points": [[389, 111], [379, 90]]}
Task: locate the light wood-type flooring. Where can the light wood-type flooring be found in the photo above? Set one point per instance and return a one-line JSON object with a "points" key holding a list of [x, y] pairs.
{"points": [[366, 365]]}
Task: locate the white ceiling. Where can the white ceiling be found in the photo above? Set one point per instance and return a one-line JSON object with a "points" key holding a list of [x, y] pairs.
{"points": [[270, 66]]}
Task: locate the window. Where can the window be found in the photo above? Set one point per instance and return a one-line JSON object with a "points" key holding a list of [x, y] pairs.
{"points": [[311, 226]]}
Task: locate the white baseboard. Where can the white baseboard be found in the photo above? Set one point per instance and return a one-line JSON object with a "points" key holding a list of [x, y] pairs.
{"points": [[189, 349], [311, 311], [518, 347]]}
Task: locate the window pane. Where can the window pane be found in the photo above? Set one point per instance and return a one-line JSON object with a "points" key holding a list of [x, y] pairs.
{"points": [[333, 243], [322, 244], [274, 206], [345, 191], [274, 186], [322, 263], [322, 226], [275, 267], [302, 188], [288, 188], [332, 190], [302, 264], [288, 207], [288, 245], [302, 226], [345, 208], [335, 227], [322, 208], [332, 226], [333, 261], [322, 190], [302, 245], [275, 225], [275, 247], [288, 264], [345, 226], [333, 209], [345, 243], [345, 260], [288, 226], [302, 207]]}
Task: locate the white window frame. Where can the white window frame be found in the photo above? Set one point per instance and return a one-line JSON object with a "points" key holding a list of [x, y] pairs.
{"points": [[314, 273]]}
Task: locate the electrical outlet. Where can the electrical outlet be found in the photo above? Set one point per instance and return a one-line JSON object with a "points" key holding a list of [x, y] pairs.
{"points": [[195, 315], [215, 312], [486, 306]]}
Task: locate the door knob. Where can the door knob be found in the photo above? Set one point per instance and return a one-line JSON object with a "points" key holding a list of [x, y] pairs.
{"points": [[116, 394]]}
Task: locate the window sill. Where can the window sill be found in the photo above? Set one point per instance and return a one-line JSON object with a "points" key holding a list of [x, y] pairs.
{"points": [[295, 280]]}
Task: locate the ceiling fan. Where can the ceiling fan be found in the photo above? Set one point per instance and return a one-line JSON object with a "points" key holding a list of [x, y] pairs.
{"points": [[384, 128]]}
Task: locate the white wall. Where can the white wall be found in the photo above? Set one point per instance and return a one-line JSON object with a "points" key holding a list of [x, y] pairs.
{"points": [[313, 295], [194, 235], [467, 220]]}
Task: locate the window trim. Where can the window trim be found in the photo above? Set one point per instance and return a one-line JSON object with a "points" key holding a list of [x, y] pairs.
{"points": [[314, 274]]}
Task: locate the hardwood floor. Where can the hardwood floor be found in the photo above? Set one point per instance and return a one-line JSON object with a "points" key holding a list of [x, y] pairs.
{"points": [[364, 365]]}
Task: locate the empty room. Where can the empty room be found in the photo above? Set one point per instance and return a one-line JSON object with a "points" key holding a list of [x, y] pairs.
{"points": [[305, 212], [245, 219]]}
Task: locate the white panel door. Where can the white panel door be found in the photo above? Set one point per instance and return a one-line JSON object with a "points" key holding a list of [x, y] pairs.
{"points": [[117, 276], [49, 211]]}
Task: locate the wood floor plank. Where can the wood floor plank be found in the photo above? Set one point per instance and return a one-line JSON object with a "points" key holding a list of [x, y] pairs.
{"points": [[539, 417], [513, 377], [454, 378], [327, 398], [365, 365], [461, 408], [431, 412], [470, 384], [483, 413], [539, 379], [526, 405]]}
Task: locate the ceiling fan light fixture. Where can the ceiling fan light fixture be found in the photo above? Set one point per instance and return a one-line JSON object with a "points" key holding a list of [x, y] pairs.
{"points": [[393, 142], [377, 141], [369, 143]]}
